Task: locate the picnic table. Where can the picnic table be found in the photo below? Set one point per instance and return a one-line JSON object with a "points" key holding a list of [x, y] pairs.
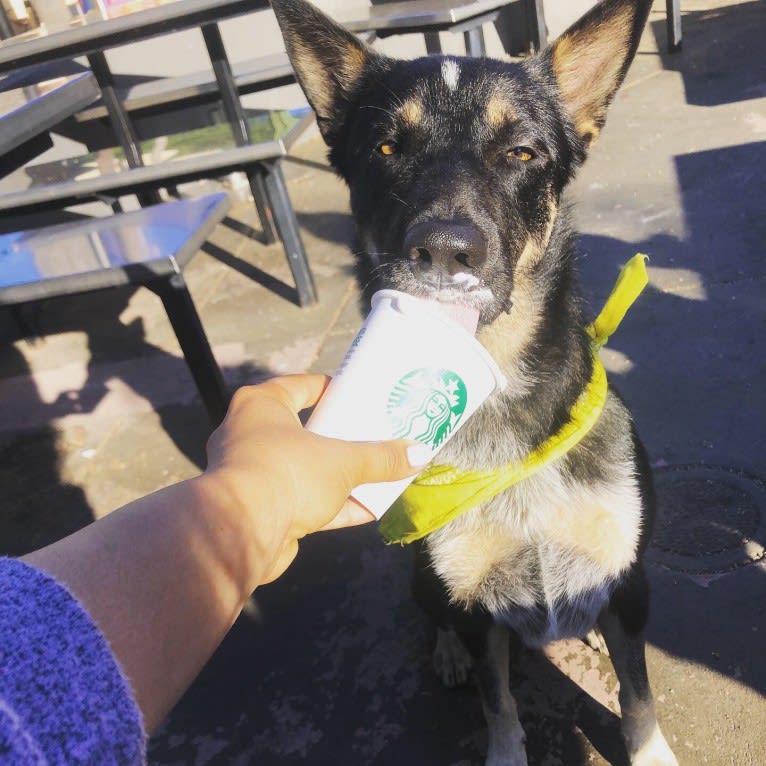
{"points": [[430, 17], [94, 38], [149, 247]]}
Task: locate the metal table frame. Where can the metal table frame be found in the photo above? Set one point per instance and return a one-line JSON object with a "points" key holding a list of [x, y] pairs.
{"points": [[673, 25], [164, 277], [466, 16], [24, 130], [91, 40]]}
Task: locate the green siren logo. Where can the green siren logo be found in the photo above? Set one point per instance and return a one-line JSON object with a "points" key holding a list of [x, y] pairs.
{"points": [[426, 405]]}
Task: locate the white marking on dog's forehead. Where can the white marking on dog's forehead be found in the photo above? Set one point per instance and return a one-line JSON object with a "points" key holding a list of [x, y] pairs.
{"points": [[450, 73]]}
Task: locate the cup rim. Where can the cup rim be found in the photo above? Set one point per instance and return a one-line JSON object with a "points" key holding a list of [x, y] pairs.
{"points": [[501, 382]]}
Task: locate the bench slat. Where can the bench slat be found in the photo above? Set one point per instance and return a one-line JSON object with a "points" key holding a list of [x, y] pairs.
{"points": [[255, 74], [163, 174]]}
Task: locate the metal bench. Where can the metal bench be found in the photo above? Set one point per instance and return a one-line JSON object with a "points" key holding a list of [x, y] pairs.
{"points": [[158, 105], [28, 113], [200, 154], [149, 247]]}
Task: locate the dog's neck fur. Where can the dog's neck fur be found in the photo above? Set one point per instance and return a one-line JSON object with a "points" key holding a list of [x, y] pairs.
{"points": [[543, 350]]}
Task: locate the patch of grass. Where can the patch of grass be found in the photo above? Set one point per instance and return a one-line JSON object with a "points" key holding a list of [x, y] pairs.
{"points": [[263, 127], [266, 127]]}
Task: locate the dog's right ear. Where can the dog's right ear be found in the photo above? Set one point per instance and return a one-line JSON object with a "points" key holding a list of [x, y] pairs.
{"points": [[329, 61]]}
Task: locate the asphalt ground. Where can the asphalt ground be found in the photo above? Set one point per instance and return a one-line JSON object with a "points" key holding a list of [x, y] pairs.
{"points": [[331, 664]]}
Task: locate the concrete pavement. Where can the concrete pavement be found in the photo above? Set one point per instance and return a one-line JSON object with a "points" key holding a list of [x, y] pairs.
{"points": [[331, 664]]}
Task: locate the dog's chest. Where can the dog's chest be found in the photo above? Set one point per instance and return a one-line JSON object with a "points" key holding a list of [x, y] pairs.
{"points": [[542, 556]]}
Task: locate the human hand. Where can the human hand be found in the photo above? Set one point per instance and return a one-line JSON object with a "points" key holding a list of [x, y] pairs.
{"points": [[291, 481]]}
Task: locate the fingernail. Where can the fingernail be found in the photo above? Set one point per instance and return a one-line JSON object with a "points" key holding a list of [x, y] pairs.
{"points": [[419, 455]]}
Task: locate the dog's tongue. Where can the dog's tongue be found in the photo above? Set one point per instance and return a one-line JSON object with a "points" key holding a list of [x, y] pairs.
{"points": [[466, 316]]}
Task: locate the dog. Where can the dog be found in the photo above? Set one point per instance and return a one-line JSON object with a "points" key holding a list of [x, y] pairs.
{"points": [[456, 168]]}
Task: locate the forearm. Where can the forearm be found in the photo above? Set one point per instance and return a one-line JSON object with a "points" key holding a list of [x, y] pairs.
{"points": [[179, 564], [166, 576]]}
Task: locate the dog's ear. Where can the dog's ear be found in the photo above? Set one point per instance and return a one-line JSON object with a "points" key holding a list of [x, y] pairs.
{"points": [[591, 58], [329, 61]]}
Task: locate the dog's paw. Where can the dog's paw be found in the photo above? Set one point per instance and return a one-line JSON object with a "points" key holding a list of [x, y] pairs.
{"points": [[656, 752], [451, 659], [595, 640]]}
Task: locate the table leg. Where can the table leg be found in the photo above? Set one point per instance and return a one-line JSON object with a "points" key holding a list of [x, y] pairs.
{"points": [[235, 114], [433, 43], [673, 13], [537, 32], [474, 42], [22, 154], [6, 28], [287, 226], [255, 177], [120, 120], [196, 349]]}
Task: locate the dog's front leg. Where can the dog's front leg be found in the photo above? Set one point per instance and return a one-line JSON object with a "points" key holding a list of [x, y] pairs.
{"points": [[506, 737], [624, 637], [471, 634]]}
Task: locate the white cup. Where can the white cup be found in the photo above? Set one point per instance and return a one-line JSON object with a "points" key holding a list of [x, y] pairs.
{"points": [[412, 373]]}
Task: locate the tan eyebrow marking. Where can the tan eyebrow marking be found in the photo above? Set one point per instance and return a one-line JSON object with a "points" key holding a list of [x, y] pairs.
{"points": [[411, 111], [498, 111]]}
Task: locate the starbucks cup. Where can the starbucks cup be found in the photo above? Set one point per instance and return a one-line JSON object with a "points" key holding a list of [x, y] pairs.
{"points": [[412, 372]]}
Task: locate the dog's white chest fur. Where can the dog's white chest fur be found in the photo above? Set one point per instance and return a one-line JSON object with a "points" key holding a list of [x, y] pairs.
{"points": [[542, 556]]}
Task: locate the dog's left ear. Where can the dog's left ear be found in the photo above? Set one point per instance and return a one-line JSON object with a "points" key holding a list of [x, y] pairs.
{"points": [[329, 61], [591, 58]]}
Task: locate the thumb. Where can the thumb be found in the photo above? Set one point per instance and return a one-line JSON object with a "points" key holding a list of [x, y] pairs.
{"points": [[385, 461]]}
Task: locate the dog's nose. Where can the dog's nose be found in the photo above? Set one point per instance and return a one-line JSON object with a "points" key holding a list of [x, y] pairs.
{"points": [[447, 246]]}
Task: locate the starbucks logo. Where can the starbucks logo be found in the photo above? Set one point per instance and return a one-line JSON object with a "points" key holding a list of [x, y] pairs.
{"points": [[426, 405]]}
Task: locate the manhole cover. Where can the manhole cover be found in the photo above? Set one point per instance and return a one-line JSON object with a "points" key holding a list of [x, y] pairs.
{"points": [[710, 519]]}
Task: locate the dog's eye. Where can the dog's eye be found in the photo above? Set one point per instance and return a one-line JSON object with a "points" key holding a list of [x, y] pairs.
{"points": [[388, 148], [523, 153]]}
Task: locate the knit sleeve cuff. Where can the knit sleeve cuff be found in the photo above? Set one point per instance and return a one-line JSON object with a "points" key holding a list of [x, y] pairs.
{"points": [[63, 696]]}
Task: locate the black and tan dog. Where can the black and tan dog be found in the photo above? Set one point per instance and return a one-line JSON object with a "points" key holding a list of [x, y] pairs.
{"points": [[456, 167]]}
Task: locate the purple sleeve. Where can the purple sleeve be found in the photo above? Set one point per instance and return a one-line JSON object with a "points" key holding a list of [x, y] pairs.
{"points": [[63, 697]]}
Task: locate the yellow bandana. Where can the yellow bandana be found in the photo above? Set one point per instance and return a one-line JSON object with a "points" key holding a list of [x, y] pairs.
{"points": [[443, 492]]}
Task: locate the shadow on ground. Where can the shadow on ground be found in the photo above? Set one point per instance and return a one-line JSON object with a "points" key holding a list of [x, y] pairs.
{"points": [[38, 506], [286, 693], [717, 61]]}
